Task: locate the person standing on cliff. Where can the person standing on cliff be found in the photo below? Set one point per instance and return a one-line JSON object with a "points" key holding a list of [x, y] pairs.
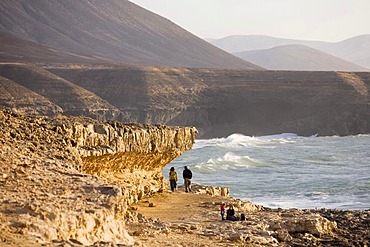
{"points": [[187, 175], [173, 179]]}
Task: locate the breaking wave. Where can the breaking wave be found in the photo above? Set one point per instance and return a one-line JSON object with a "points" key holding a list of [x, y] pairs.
{"points": [[285, 170]]}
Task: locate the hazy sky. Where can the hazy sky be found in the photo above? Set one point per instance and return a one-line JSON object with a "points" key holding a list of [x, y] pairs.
{"points": [[326, 20]]}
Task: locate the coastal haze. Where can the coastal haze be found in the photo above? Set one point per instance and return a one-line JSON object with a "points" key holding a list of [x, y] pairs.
{"points": [[330, 20], [352, 54], [73, 174]]}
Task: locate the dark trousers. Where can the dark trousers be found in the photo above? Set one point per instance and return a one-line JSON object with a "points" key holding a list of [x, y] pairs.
{"points": [[173, 185], [187, 183]]}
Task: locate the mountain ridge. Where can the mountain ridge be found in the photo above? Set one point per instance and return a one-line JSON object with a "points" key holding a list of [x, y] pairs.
{"points": [[114, 30], [218, 101], [355, 49], [297, 57]]}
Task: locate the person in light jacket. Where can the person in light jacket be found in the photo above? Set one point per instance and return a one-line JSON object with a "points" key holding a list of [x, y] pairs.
{"points": [[173, 179]]}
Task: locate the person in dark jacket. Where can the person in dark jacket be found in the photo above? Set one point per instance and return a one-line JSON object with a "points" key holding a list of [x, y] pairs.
{"points": [[187, 175], [230, 214]]}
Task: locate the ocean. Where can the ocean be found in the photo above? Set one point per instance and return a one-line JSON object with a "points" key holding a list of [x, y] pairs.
{"points": [[285, 170]]}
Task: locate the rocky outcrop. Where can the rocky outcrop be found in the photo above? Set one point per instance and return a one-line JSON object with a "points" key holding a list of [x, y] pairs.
{"points": [[196, 221], [69, 180], [211, 190], [131, 155]]}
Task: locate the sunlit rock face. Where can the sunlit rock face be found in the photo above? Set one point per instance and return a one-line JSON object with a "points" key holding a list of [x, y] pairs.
{"points": [[133, 155], [69, 180]]}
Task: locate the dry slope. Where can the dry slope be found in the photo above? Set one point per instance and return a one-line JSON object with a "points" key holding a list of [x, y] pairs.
{"points": [[114, 30]]}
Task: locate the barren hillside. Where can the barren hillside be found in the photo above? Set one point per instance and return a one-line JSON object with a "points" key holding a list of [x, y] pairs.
{"points": [[15, 49], [217, 102], [66, 97], [114, 30]]}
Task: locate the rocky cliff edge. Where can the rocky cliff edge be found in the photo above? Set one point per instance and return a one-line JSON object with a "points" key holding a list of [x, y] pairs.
{"points": [[78, 182], [71, 179]]}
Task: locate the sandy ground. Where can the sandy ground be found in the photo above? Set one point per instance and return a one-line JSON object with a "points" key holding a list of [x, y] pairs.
{"points": [[179, 216]]}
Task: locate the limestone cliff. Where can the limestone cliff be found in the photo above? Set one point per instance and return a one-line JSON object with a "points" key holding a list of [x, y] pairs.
{"points": [[130, 154], [70, 179]]}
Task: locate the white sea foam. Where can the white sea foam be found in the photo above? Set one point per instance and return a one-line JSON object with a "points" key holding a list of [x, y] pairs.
{"points": [[239, 140], [285, 170], [233, 140], [229, 161]]}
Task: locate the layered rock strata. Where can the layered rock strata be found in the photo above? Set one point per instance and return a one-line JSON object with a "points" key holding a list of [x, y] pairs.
{"points": [[217, 102], [223, 102], [70, 179]]}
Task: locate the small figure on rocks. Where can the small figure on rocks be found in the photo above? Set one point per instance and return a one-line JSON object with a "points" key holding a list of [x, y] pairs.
{"points": [[187, 175], [242, 216], [230, 214], [173, 179], [223, 211]]}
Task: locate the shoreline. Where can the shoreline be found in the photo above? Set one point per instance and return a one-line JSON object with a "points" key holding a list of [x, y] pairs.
{"points": [[48, 198], [285, 171], [193, 219]]}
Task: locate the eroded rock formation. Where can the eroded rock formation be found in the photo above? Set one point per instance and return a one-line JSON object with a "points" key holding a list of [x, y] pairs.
{"points": [[71, 179], [129, 154]]}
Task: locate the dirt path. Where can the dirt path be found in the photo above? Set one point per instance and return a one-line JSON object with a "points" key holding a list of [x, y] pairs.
{"points": [[178, 205], [177, 219]]}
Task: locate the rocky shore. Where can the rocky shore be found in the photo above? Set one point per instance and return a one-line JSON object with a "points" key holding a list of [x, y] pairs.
{"points": [[78, 182], [183, 219]]}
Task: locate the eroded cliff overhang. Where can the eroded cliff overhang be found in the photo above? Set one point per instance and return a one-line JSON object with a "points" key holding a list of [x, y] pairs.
{"points": [[46, 199], [114, 147]]}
